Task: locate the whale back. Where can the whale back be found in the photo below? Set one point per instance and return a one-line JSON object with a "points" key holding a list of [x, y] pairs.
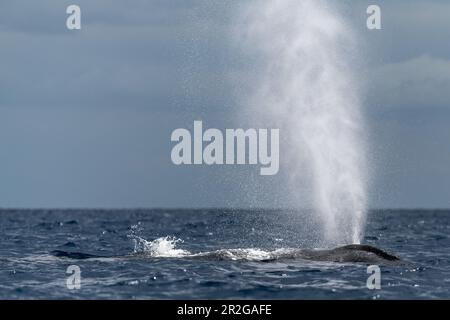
{"points": [[366, 248], [364, 254]]}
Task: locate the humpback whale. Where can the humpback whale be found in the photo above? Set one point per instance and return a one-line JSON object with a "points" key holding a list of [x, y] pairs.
{"points": [[358, 254]]}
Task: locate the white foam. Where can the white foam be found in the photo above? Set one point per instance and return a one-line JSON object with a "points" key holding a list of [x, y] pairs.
{"points": [[162, 247]]}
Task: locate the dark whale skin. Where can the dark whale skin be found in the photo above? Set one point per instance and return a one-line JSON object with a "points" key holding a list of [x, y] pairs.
{"points": [[355, 253], [74, 255]]}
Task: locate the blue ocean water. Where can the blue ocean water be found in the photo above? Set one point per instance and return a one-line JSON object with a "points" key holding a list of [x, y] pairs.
{"points": [[148, 254]]}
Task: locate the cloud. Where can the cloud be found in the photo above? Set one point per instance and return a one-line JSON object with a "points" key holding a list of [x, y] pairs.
{"points": [[163, 64], [152, 54], [419, 82], [49, 16]]}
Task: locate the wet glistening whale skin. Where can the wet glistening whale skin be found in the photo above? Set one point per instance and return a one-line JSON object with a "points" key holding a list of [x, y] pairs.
{"points": [[351, 254]]}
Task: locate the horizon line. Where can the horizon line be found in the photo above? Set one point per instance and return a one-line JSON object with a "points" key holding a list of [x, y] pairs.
{"points": [[208, 208]]}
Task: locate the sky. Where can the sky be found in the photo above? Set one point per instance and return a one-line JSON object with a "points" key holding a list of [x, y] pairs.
{"points": [[86, 115]]}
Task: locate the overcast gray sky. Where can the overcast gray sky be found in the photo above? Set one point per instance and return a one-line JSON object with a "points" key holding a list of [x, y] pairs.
{"points": [[86, 116]]}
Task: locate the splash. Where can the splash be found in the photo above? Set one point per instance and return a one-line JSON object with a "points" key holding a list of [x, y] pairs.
{"points": [[308, 89], [164, 247]]}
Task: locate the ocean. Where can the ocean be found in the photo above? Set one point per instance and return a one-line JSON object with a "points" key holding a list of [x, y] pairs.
{"points": [[160, 254]]}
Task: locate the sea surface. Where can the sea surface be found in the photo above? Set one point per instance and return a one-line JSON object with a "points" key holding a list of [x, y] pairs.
{"points": [[159, 254]]}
